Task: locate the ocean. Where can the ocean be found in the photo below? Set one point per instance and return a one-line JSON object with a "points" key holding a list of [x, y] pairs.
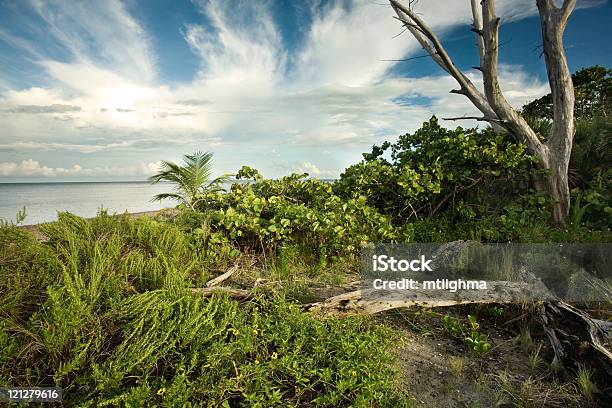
{"points": [[43, 200]]}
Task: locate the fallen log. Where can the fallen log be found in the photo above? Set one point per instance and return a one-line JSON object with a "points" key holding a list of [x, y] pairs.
{"points": [[576, 339], [371, 301], [221, 278], [231, 292]]}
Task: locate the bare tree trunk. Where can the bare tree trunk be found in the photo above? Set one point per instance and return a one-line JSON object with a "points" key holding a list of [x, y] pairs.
{"points": [[553, 21], [555, 184], [554, 154]]}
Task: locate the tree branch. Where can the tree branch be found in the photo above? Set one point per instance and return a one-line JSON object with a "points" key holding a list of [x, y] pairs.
{"points": [[515, 123], [420, 37], [566, 9], [430, 42], [553, 21], [481, 119], [477, 28]]}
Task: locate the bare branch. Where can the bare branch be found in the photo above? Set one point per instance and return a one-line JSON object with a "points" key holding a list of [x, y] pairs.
{"points": [[408, 59], [477, 28], [430, 42], [420, 37], [566, 9], [515, 123], [222, 278], [400, 33], [478, 118]]}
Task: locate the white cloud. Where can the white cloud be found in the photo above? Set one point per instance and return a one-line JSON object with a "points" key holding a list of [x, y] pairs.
{"points": [[30, 167], [334, 90], [245, 49], [7, 168]]}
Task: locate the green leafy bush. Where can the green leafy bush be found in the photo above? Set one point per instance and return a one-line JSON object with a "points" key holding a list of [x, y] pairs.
{"points": [[469, 171], [294, 210], [445, 185]]}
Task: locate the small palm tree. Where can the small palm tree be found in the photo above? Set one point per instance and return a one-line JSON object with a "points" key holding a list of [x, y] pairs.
{"points": [[192, 179]]}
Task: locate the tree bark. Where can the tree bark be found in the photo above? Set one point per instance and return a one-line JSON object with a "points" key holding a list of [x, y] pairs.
{"points": [[553, 21]]}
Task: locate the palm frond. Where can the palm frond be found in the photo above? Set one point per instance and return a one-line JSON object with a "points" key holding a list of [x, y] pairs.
{"points": [[163, 196], [190, 178]]}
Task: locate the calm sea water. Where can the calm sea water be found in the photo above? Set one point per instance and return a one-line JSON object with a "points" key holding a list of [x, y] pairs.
{"points": [[44, 200]]}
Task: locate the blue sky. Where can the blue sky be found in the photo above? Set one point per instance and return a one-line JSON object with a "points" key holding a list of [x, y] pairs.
{"points": [[103, 90]]}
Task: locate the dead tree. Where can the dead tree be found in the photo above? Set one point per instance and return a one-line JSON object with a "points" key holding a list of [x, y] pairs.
{"points": [[553, 154]]}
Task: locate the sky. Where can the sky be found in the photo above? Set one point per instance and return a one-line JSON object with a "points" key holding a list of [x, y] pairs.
{"points": [[104, 90]]}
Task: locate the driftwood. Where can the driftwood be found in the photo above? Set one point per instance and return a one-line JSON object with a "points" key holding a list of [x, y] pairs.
{"points": [[372, 301], [576, 339], [231, 292], [579, 341], [223, 277]]}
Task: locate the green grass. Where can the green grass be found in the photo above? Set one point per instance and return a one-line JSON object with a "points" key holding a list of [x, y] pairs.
{"points": [[103, 310], [583, 380]]}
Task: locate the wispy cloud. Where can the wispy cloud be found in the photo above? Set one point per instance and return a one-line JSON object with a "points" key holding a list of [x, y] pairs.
{"points": [[101, 33], [333, 89]]}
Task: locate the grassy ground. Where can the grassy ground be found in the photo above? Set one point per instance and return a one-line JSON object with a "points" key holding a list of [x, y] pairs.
{"points": [[103, 309]]}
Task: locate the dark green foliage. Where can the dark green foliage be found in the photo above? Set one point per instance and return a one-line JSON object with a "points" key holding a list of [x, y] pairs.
{"points": [[104, 310], [468, 172], [589, 171], [593, 92]]}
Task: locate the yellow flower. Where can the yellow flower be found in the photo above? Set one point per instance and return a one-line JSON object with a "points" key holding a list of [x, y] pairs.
{"points": [[255, 331], [354, 373], [274, 356], [161, 391], [256, 361]]}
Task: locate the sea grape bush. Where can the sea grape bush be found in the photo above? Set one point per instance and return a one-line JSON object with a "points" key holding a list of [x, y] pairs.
{"points": [[445, 185], [264, 213], [436, 169]]}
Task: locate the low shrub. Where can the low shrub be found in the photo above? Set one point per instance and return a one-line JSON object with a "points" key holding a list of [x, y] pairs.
{"points": [[263, 214], [111, 319]]}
